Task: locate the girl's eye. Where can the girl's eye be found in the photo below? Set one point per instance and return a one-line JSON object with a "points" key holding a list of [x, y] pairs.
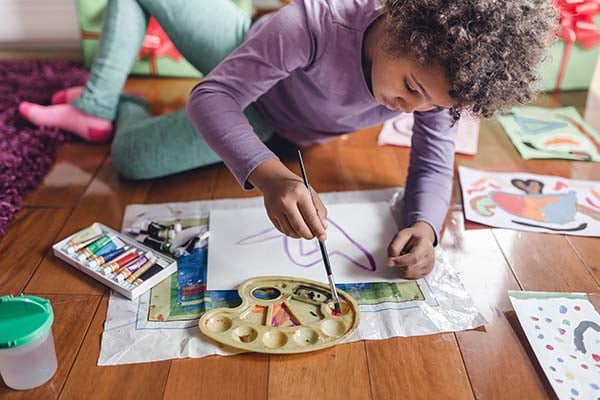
{"points": [[410, 89]]}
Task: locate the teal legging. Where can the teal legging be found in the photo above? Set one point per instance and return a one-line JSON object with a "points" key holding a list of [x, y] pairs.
{"points": [[204, 32]]}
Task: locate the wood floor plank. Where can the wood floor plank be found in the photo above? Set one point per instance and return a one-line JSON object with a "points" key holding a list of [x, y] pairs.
{"points": [[31, 234], [417, 367], [545, 262], [188, 186], [587, 249], [163, 95], [354, 162], [372, 166], [350, 162], [72, 317], [70, 175], [131, 381], [494, 354], [227, 187], [234, 377], [104, 201], [336, 373]]}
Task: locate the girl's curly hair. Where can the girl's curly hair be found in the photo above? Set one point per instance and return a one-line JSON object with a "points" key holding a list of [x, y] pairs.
{"points": [[489, 49]]}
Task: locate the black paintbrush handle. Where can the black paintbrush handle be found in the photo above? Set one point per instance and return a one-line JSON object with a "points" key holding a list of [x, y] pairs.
{"points": [[325, 256], [304, 176]]}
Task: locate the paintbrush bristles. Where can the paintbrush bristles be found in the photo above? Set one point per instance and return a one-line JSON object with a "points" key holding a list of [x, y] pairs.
{"points": [[337, 308]]}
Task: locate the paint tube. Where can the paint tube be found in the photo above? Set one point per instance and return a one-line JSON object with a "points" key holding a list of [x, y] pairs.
{"points": [[114, 244], [181, 250], [147, 275], [156, 230], [84, 235], [153, 243], [76, 247], [120, 263], [97, 245], [133, 271], [191, 244], [165, 234], [130, 268], [96, 262], [133, 277]]}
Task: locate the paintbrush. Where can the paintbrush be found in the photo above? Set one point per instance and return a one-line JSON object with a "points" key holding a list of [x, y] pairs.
{"points": [[324, 253]]}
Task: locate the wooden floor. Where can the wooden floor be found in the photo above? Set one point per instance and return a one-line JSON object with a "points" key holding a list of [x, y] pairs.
{"points": [[493, 362]]}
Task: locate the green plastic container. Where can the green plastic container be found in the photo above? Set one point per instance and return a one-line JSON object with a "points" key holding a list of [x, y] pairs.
{"points": [[27, 355]]}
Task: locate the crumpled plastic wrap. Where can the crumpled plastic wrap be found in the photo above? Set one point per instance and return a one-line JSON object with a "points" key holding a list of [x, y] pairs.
{"points": [[131, 337]]}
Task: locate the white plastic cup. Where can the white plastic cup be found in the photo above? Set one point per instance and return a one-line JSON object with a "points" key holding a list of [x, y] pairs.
{"points": [[28, 358]]}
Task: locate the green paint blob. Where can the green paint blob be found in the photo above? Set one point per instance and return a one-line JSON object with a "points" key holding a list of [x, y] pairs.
{"points": [[570, 376], [566, 322]]}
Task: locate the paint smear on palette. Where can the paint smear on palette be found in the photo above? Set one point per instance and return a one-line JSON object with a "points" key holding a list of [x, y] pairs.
{"points": [[564, 332], [281, 316]]}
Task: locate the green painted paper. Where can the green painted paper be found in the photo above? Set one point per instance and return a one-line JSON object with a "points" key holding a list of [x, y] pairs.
{"points": [[551, 133]]}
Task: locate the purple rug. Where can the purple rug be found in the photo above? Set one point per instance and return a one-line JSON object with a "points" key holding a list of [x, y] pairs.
{"points": [[26, 151]]}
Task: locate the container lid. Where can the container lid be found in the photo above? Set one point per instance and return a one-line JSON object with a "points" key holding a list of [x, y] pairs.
{"points": [[23, 319]]}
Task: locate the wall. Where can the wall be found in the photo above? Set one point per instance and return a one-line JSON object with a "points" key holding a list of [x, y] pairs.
{"points": [[41, 24], [50, 24]]}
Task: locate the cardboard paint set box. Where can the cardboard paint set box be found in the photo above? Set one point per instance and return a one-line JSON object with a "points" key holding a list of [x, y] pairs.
{"points": [[114, 259]]}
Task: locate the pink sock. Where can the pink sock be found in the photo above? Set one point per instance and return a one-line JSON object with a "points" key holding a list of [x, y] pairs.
{"points": [[67, 117], [71, 94], [68, 95]]}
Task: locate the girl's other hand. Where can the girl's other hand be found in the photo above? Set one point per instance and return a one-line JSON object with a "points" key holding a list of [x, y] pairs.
{"points": [[411, 251], [288, 202]]}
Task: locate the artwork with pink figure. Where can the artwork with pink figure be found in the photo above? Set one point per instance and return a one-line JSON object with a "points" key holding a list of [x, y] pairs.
{"points": [[537, 203], [244, 244], [563, 330]]}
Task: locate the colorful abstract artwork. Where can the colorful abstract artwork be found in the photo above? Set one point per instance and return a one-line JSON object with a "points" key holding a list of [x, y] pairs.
{"points": [[564, 331], [555, 133], [537, 203]]}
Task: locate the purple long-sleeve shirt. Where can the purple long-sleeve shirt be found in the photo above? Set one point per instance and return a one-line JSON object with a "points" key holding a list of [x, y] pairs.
{"points": [[302, 68]]}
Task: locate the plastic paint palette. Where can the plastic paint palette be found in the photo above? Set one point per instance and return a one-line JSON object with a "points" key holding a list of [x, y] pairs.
{"points": [[282, 315], [167, 264]]}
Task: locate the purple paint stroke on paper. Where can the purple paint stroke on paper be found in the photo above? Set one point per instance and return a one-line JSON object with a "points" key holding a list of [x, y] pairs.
{"points": [[271, 234]]}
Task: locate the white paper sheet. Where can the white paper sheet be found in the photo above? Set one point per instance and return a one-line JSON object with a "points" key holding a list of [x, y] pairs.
{"points": [[398, 131], [564, 331], [530, 202], [357, 240]]}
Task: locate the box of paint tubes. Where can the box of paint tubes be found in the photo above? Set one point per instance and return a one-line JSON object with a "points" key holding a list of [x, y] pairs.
{"points": [[118, 261]]}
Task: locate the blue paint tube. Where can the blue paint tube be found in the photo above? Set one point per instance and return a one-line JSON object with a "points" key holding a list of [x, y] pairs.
{"points": [[96, 262]]}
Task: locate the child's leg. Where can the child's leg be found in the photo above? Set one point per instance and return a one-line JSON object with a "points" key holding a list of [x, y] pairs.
{"points": [[204, 31], [91, 115], [148, 147], [123, 31]]}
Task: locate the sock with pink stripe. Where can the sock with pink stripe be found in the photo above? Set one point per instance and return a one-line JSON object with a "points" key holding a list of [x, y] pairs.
{"points": [[68, 95]]}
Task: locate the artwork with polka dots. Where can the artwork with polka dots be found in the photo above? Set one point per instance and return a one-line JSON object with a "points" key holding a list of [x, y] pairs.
{"points": [[564, 332]]}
